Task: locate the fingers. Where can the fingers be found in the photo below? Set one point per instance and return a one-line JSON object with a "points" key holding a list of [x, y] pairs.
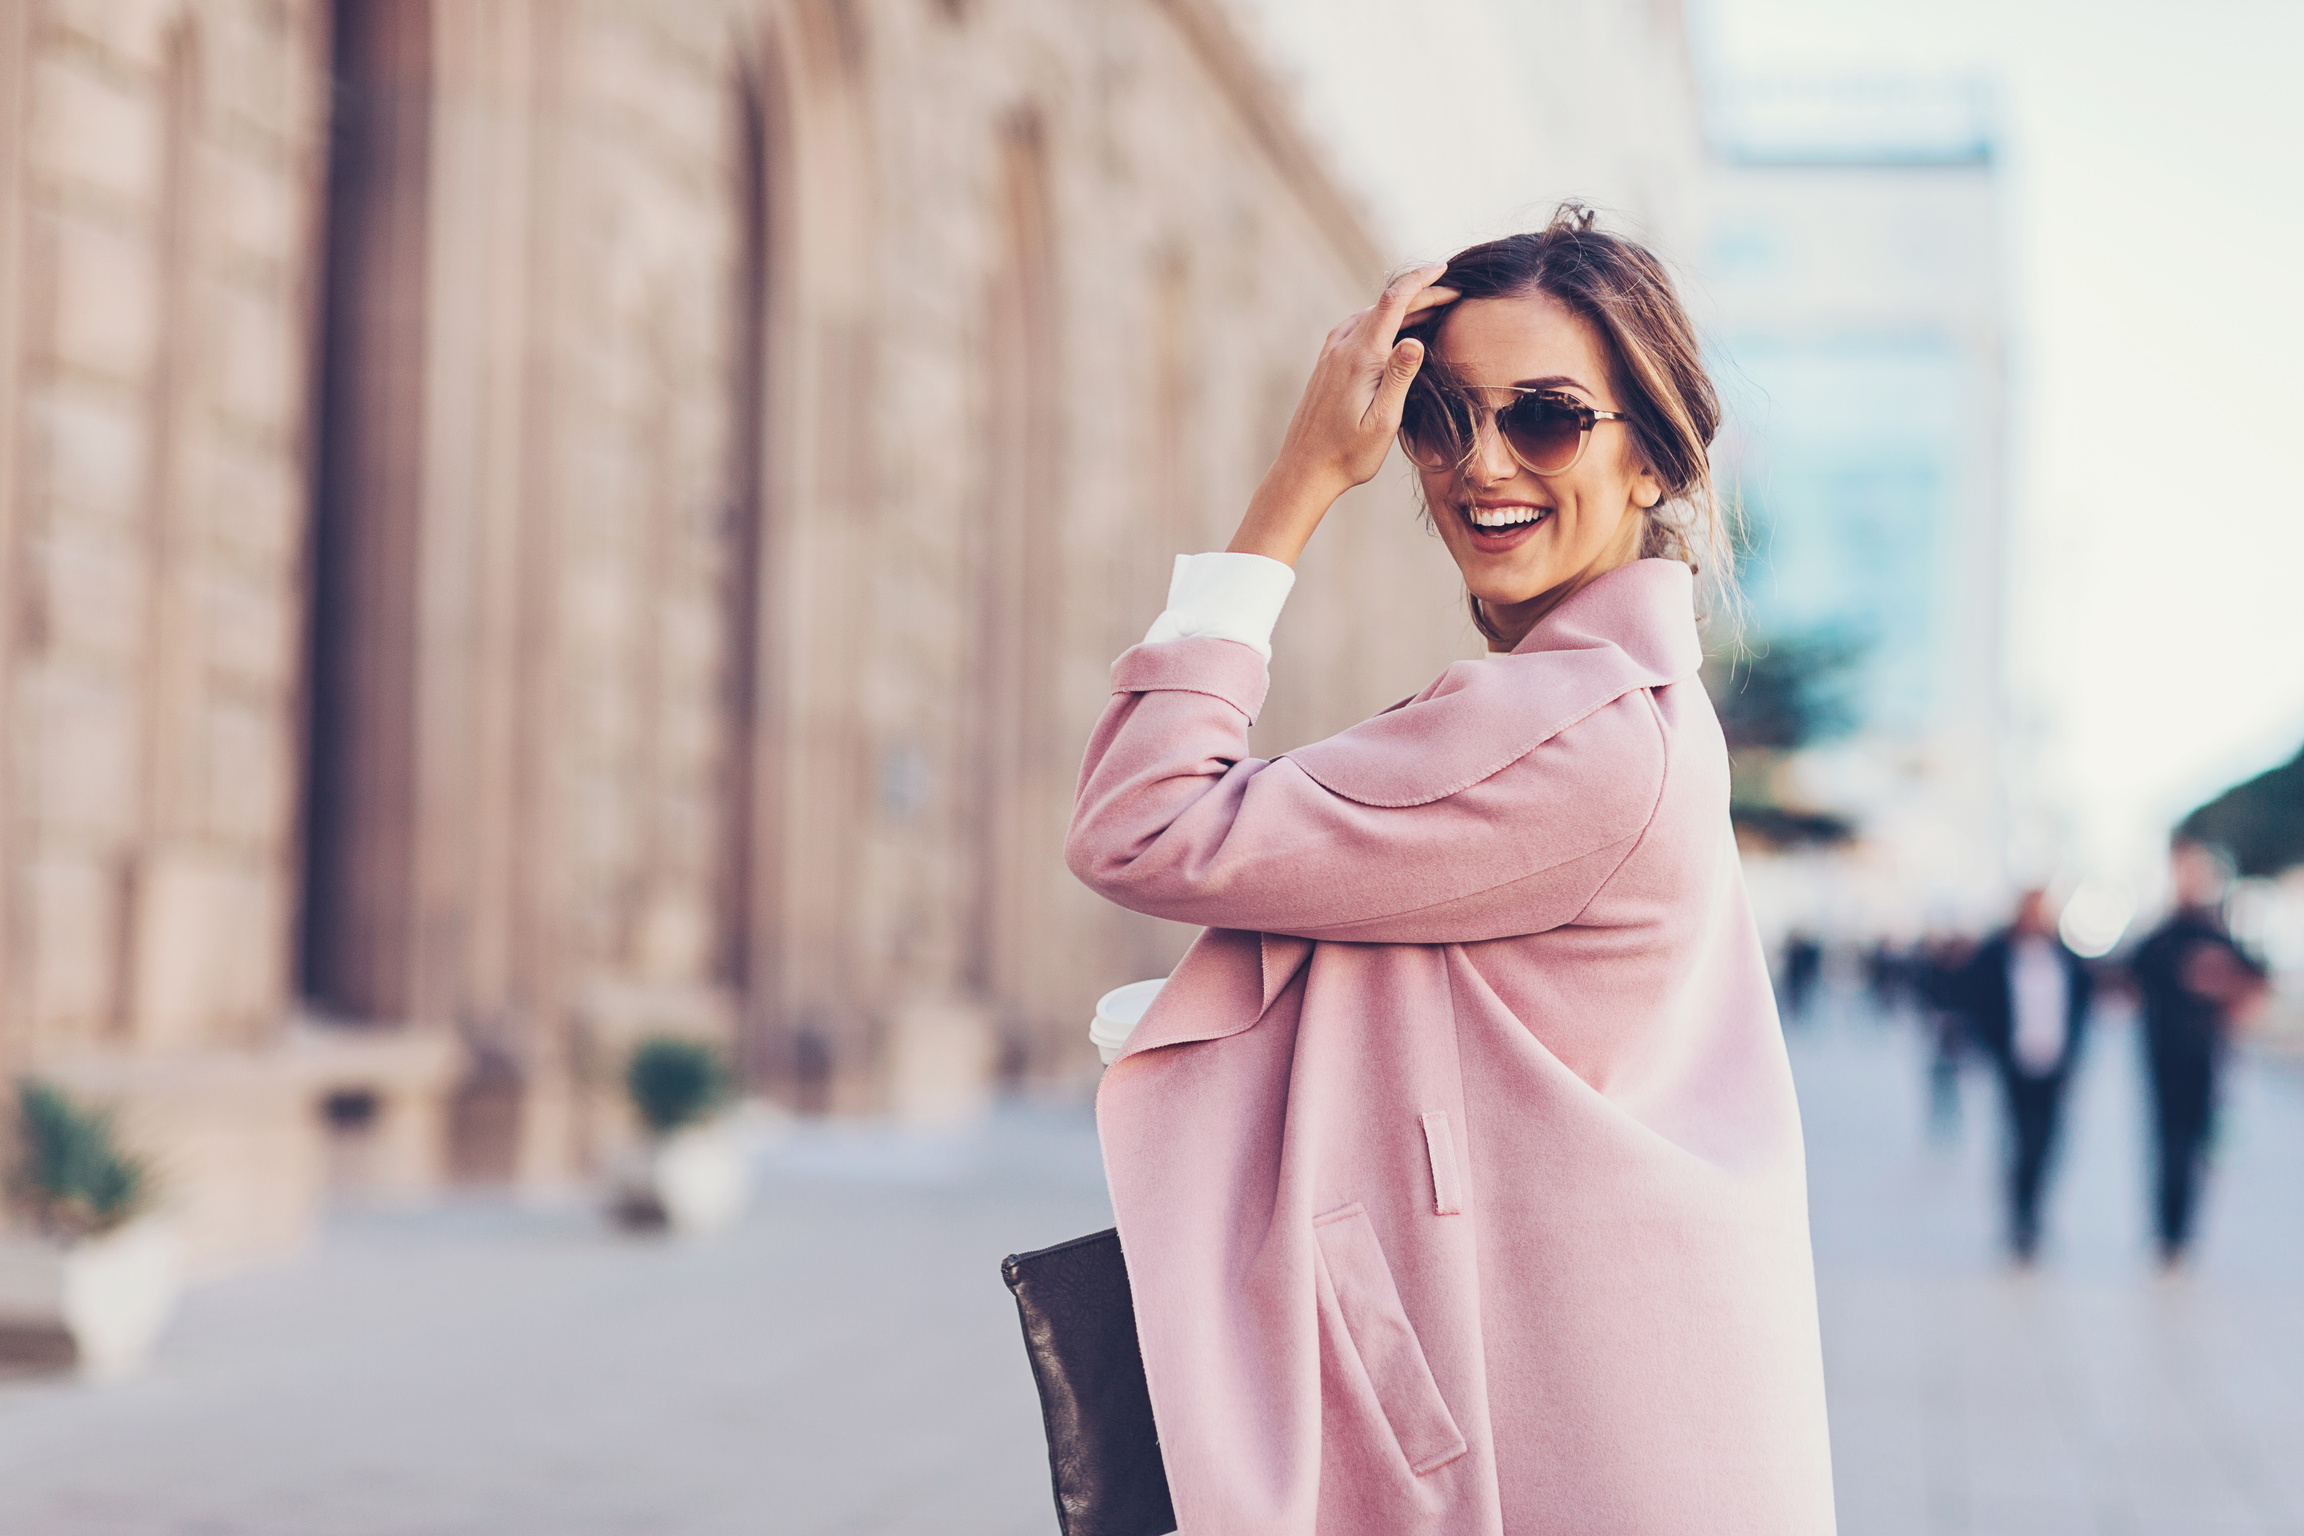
{"points": [[1392, 389], [1432, 298], [1392, 308]]}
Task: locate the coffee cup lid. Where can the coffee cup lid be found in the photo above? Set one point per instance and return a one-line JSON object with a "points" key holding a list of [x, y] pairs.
{"points": [[1119, 1010]]}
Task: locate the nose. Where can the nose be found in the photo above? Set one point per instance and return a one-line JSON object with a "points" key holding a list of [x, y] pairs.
{"points": [[1491, 462]]}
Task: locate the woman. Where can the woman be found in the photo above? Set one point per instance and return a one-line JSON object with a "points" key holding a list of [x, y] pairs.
{"points": [[1458, 1165]]}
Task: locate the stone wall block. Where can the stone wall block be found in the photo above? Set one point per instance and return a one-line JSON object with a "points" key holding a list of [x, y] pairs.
{"points": [[688, 740], [626, 84], [599, 822], [90, 133], [255, 367], [685, 115], [181, 928], [251, 629], [252, 976], [257, 209], [133, 32], [599, 609], [72, 921], [106, 313], [938, 1063], [686, 828], [257, 506], [90, 443], [86, 749], [252, 77], [94, 591], [249, 784], [205, 949], [694, 632], [673, 935]]}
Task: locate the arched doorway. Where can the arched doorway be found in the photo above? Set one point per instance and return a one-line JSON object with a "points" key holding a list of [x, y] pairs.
{"points": [[359, 930]]}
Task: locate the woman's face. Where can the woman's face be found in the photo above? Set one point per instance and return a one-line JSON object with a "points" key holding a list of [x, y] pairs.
{"points": [[1546, 534]]}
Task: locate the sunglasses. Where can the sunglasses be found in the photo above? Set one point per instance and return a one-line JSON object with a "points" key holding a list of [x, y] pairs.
{"points": [[1544, 431]]}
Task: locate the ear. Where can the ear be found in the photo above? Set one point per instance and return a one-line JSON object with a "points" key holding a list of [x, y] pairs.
{"points": [[1647, 490]]}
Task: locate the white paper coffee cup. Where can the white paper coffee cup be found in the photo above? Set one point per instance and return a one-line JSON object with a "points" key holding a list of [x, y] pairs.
{"points": [[1117, 1013]]}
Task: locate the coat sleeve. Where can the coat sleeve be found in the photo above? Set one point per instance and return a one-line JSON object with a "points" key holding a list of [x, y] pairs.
{"points": [[1175, 819]]}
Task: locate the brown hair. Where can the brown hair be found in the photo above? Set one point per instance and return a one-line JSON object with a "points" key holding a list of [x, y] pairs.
{"points": [[1623, 291]]}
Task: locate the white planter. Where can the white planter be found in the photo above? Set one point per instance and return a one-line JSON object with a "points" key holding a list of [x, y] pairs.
{"points": [[103, 1299], [692, 1181]]}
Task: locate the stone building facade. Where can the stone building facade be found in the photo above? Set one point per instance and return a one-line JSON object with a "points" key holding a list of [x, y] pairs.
{"points": [[525, 523]]}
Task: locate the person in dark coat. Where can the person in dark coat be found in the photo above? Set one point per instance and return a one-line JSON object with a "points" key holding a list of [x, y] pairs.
{"points": [[1937, 964], [1803, 967], [2196, 984], [2026, 997]]}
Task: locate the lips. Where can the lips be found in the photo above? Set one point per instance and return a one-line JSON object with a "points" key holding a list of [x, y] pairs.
{"points": [[1495, 529]]}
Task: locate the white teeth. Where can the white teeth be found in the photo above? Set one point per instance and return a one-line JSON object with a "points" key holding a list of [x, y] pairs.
{"points": [[1504, 517]]}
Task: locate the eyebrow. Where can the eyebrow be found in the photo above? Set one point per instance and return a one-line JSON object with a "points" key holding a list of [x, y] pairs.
{"points": [[1553, 381]]}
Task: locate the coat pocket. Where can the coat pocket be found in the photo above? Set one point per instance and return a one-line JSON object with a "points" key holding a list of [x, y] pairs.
{"points": [[1377, 1330], [1440, 1147]]}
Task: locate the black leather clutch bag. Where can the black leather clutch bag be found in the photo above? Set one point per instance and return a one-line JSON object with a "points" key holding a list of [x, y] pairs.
{"points": [[1080, 1332]]}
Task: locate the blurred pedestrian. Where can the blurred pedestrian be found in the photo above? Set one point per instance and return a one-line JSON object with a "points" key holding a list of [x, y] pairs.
{"points": [[1937, 962], [2197, 986], [2026, 997], [1803, 967], [1887, 973]]}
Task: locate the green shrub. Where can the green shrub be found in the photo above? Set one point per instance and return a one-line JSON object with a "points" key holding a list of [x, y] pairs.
{"points": [[675, 1082], [73, 1176]]}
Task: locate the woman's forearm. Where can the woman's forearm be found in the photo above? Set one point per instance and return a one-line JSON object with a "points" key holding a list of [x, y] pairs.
{"points": [[1343, 426], [1283, 514]]}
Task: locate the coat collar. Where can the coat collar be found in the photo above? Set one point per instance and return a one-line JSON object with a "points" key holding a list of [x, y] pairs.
{"points": [[1646, 608], [1633, 628]]}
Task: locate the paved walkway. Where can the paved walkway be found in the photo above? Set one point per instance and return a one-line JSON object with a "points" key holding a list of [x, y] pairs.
{"points": [[2090, 1396], [847, 1361]]}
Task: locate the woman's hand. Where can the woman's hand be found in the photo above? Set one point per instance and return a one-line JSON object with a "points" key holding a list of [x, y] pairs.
{"points": [[1344, 425]]}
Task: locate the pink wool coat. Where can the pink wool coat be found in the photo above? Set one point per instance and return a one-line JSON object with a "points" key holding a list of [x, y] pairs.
{"points": [[1458, 1166]]}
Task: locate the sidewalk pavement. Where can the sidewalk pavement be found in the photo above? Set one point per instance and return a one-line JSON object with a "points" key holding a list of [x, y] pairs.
{"points": [[2090, 1396], [846, 1363]]}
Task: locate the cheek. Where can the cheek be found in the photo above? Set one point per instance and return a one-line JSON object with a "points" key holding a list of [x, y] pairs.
{"points": [[1625, 467], [1439, 493], [1603, 494]]}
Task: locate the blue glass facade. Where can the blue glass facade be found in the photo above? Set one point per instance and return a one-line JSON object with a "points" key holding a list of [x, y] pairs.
{"points": [[1847, 462]]}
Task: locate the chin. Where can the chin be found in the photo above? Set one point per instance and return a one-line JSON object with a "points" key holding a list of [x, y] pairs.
{"points": [[1520, 587]]}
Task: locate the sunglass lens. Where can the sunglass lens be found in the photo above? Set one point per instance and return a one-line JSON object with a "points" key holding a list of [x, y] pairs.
{"points": [[1544, 433], [1432, 427]]}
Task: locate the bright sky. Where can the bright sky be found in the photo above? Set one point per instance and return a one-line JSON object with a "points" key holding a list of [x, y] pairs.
{"points": [[2155, 172]]}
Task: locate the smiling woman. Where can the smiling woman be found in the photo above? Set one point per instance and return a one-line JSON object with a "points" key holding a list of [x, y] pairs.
{"points": [[1458, 1167]]}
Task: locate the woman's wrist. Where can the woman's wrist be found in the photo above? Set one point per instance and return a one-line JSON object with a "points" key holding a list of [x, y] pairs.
{"points": [[1283, 514]]}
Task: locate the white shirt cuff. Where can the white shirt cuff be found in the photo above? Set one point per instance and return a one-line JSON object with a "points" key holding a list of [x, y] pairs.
{"points": [[1225, 596]]}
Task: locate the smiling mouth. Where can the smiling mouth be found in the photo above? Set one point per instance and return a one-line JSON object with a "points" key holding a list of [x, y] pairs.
{"points": [[1493, 523]]}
